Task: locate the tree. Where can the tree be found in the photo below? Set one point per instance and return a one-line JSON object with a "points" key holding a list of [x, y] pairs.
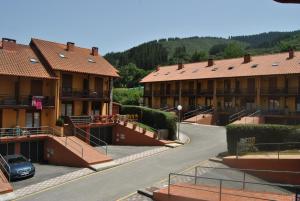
{"points": [[198, 56], [180, 54], [130, 75], [233, 50], [217, 50]]}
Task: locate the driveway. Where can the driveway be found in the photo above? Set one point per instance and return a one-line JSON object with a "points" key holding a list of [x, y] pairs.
{"points": [[43, 172], [117, 182]]}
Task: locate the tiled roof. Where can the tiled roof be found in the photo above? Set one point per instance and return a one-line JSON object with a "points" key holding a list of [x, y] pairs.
{"points": [[17, 63], [74, 61], [259, 66]]}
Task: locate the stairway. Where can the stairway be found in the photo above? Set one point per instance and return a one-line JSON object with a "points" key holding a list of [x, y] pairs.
{"points": [[83, 152]]}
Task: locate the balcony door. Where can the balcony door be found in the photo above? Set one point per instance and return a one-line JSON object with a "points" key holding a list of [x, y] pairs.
{"points": [[33, 119], [251, 85], [168, 89], [36, 87], [272, 84], [99, 86], [210, 86], [199, 86], [86, 87], [67, 84], [0, 118], [227, 85]]}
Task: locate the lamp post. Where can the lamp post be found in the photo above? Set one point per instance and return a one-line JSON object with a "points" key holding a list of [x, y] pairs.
{"points": [[179, 108]]}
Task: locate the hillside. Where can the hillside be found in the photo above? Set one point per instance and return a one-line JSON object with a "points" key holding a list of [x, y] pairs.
{"points": [[147, 56]]}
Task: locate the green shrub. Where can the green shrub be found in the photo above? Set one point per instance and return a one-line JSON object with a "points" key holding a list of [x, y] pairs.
{"points": [[127, 96], [60, 122], [153, 118], [263, 133]]}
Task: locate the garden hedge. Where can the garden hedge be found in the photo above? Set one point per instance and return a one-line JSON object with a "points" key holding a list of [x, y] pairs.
{"points": [[153, 118], [263, 133]]}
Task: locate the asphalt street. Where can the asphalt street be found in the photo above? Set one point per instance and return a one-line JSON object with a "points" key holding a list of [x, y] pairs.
{"points": [[112, 184]]}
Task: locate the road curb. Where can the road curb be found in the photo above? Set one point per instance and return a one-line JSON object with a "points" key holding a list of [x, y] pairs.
{"points": [[217, 160]]}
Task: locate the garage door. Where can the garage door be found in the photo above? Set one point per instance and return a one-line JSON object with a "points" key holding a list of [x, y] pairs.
{"points": [[33, 150], [103, 133], [7, 148]]}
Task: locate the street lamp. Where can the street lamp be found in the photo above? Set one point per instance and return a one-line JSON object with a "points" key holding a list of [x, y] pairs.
{"points": [[179, 108]]}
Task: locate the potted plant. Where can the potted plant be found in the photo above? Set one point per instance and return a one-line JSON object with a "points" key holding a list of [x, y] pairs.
{"points": [[144, 130], [134, 125]]}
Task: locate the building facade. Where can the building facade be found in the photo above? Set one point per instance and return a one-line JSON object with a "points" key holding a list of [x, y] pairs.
{"points": [[44, 80], [269, 83]]}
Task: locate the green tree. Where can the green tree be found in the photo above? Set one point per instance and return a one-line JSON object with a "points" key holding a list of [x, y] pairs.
{"points": [[198, 56], [130, 75], [233, 50], [180, 54]]}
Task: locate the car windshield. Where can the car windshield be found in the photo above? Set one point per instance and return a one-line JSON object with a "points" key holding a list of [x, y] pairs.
{"points": [[16, 160]]}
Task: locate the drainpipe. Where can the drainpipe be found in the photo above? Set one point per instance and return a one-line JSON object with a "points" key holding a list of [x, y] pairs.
{"points": [[110, 96]]}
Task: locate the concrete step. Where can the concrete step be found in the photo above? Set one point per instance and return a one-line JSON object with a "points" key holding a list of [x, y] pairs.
{"points": [[103, 166]]}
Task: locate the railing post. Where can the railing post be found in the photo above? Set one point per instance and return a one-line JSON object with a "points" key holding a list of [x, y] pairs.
{"points": [[196, 171], [278, 148], [220, 192], [244, 181], [169, 183]]}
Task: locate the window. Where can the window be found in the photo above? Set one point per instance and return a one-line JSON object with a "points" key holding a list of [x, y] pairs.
{"points": [[33, 119], [274, 104], [91, 60], [33, 61], [67, 109], [62, 55], [36, 87]]}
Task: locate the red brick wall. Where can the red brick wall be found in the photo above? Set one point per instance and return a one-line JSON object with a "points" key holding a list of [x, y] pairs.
{"points": [[269, 164], [57, 154], [126, 136]]}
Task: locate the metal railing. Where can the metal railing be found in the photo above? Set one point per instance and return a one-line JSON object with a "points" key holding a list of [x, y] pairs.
{"points": [[93, 140], [266, 148], [5, 167], [81, 119], [43, 130], [221, 184], [237, 115], [194, 112]]}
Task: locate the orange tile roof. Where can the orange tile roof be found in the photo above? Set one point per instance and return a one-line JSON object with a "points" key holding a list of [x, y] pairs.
{"points": [[265, 66], [74, 61], [17, 63]]}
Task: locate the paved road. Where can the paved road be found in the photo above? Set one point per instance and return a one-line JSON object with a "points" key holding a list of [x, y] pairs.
{"points": [[120, 181]]}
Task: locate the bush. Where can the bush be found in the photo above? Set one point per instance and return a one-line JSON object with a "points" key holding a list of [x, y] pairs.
{"points": [[264, 133], [60, 122], [153, 118], [127, 96]]}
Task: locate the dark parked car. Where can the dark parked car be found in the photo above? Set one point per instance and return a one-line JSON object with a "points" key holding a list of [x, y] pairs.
{"points": [[19, 167]]}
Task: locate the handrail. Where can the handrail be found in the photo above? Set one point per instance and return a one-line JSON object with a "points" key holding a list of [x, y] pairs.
{"points": [[3, 162], [278, 145], [76, 129], [227, 180], [254, 113], [237, 115], [203, 111], [94, 138], [25, 131], [170, 109]]}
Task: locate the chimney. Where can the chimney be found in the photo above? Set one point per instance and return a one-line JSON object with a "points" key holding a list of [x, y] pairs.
{"points": [[70, 46], [180, 66], [8, 44], [291, 54], [95, 51], [210, 62], [247, 58]]}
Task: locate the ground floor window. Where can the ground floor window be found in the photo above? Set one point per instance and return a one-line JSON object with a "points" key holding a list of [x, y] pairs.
{"points": [[298, 104], [176, 102], [33, 119], [96, 108], [228, 103], [192, 103], [163, 102], [67, 109], [274, 104], [208, 101]]}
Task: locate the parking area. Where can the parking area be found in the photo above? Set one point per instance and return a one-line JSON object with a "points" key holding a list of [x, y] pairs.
{"points": [[43, 172], [118, 151]]}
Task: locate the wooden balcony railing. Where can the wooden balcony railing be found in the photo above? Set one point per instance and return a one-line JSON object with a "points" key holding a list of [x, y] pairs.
{"points": [[280, 91], [83, 93], [25, 101]]}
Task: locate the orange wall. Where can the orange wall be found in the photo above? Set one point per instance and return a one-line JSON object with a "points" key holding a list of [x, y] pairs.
{"points": [[126, 136], [269, 164]]}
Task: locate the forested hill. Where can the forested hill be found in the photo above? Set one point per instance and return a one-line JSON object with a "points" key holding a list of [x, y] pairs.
{"points": [[136, 62]]}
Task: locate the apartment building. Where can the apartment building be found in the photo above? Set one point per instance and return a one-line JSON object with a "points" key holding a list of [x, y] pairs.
{"points": [[269, 83], [44, 80]]}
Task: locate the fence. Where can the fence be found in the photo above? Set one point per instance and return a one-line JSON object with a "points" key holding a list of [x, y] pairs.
{"points": [[270, 149]]}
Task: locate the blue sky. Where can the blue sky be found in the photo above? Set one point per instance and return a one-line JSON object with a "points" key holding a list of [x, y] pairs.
{"points": [[116, 25]]}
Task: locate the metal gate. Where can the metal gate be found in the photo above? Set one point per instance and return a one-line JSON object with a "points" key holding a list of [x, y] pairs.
{"points": [[33, 150]]}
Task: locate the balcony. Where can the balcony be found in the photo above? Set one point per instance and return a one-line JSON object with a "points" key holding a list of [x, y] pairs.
{"points": [[236, 92], [280, 91], [205, 92], [71, 94], [189, 92], [7, 101], [147, 93]]}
